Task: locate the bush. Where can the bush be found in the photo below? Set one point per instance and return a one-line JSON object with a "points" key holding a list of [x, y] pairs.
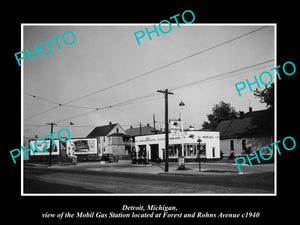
{"points": [[221, 155], [134, 161], [231, 156]]}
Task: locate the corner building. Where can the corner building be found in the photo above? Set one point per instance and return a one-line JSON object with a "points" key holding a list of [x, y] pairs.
{"points": [[207, 143]]}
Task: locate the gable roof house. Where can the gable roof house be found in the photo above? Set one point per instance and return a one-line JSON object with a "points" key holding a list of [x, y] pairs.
{"points": [[106, 130], [112, 138], [141, 130], [248, 133]]}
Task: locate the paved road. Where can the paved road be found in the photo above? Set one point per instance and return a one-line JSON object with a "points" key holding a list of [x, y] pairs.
{"points": [[77, 180]]}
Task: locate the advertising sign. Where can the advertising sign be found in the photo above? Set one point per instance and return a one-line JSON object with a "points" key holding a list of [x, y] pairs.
{"points": [[83, 146], [174, 126], [41, 146]]}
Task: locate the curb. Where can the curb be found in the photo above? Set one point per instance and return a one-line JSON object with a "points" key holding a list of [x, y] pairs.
{"points": [[201, 173]]}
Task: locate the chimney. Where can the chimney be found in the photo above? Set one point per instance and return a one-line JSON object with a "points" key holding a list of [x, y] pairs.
{"points": [[131, 127], [250, 109], [110, 123], [148, 125]]}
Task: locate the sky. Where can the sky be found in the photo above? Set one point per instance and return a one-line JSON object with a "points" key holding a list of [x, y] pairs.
{"points": [[106, 67]]}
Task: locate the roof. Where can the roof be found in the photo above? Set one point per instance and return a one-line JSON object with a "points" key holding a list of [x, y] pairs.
{"points": [[101, 130], [135, 131], [253, 124], [118, 135]]}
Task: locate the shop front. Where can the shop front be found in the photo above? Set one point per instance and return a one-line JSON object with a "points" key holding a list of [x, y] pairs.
{"points": [[191, 145]]}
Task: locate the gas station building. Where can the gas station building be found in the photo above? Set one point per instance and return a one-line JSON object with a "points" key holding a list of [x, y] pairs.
{"points": [[152, 146]]}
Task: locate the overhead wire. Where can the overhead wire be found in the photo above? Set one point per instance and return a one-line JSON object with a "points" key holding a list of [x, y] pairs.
{"points": [[166, 65], [223, 75], [134, 100], [142, 74]]}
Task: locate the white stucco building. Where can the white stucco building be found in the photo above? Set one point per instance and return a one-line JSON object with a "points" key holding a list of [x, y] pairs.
{"points": [[153, 146]]}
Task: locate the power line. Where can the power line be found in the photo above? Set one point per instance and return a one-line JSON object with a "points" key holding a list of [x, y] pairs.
{"points": [[59, 121], [223, 75], [138, 76], [124, 103], [132, 101], [44, 99], [40, 113], [56, 103], [166, 65], [96, 109]]}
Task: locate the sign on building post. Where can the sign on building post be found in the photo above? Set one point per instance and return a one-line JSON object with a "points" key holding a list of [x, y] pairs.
{"points": [[175, 126], [181, 163]]}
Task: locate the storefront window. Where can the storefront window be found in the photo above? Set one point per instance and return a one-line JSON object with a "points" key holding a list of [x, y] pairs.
{"points": [[142, 151], [203, 150], [172, 151], [178, 149], [190, 150]]}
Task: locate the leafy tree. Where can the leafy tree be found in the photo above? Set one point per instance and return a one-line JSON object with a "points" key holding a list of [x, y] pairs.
{"points": [[221, 111], [266, 96], [264, 123]]}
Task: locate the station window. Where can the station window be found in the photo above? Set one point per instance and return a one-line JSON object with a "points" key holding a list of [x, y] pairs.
{"points": [[243, 144], [203, 150], [232, 145], [190, 150], [174, 150]]}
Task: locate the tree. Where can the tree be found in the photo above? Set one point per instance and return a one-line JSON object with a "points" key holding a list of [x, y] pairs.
{"points": [[266, 96], [264, 123], [221, 111]]}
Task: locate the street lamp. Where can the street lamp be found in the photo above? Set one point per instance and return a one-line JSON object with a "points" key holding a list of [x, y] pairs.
{"points": [[181, 104], [199, 153], [181, 163]]}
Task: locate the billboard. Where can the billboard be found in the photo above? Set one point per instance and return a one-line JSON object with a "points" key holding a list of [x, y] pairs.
{"points": [[83, 146], [41, 146]]}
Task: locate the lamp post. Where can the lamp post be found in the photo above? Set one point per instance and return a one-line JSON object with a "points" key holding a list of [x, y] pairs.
{"points": [[71, 128], [181, 104], [181, 163], [199, 153]]}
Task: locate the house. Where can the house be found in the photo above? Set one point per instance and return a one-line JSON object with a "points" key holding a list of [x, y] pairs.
{"points": [[246, 134], [141, 130], [112, 138]]}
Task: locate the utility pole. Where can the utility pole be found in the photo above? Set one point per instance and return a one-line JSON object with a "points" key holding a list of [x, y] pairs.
{"points": [[154, 122], [50, 154], [166, 92]]}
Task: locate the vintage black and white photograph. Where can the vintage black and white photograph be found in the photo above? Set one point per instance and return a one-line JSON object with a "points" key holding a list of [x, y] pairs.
{"points": [[149, 109]]}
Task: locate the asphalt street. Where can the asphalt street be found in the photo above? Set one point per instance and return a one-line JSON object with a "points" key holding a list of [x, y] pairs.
{"points": [[87, 180]]}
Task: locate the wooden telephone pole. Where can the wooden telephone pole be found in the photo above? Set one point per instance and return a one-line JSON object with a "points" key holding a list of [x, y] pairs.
{"points": [[166, 92], [50, 154]]}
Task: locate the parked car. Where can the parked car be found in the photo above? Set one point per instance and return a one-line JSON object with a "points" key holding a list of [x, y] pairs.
{"points": [[110, 157]]}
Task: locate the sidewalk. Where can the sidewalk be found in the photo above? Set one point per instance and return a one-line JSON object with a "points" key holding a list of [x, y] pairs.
{"points": [[192, 169]]}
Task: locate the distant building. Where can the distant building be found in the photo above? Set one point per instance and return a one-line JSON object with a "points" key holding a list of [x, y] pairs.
{"points": [[141, 130], [112, 138], [248, 133]]}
